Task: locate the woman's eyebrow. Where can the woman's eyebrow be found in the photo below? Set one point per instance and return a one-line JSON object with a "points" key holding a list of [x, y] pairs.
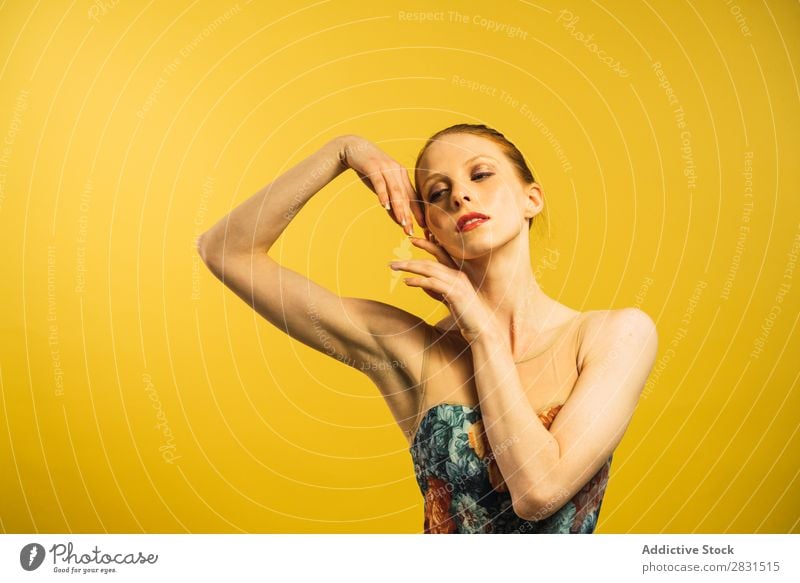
{"points": [[479, 156]]}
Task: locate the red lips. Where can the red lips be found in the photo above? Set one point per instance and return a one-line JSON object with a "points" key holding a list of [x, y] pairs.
{"points": [[461, 224]]}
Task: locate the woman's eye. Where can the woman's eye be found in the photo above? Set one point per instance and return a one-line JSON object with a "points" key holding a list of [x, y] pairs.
{"points": [[477, 176]]}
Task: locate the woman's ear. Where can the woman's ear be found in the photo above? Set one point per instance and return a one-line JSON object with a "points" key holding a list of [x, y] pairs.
{"points": [[530, 210], [535, 201]]}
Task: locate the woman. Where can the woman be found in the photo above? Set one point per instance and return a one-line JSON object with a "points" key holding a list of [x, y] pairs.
{"points": [[514, 403]]}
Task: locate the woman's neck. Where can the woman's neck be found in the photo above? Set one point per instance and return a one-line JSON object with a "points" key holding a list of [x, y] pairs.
{"points": [[505, 282]]}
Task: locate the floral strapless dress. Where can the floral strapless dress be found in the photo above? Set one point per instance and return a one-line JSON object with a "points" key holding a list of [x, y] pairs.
{"points": [[464, 491]]}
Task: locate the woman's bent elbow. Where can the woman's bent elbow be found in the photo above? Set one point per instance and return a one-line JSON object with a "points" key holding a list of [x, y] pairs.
{"points": [[535, 506], [200, 246], [206, 251]]}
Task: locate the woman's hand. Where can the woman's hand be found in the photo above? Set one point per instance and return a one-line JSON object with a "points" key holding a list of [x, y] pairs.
{"points": [[443, 281], [385, 177]]}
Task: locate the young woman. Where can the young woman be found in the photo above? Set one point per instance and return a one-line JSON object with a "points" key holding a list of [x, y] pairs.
{"points": [[514, 403]]}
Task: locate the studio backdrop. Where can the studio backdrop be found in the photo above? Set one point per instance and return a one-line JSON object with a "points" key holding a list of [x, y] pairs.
{"points": [[139, 394]]}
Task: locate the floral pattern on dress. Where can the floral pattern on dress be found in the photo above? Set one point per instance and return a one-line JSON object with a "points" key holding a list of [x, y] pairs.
{"points": [[464, 491]]}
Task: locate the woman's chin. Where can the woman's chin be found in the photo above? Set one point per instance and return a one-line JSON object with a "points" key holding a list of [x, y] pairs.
{"points": [[472, 250], [479, 246]]}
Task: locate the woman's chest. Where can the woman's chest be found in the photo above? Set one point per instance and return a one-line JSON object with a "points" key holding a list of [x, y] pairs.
{"points": [[546, 380]]}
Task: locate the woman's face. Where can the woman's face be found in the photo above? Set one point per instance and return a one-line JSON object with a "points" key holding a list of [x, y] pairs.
{"points": [[462, 174]]}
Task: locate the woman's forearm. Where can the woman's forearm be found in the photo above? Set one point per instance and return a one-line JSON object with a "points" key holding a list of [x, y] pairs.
{"points": [[255, 225], [526, 452]]}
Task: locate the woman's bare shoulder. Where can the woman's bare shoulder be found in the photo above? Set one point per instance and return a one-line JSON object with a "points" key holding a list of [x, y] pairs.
{"points": [[598, 320], [600, 328]]}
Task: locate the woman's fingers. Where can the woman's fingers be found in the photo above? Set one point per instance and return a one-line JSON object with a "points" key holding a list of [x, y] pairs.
{"points": [[425, 267], [387, 178], [412, 197], [435, 250], [391, 195], [399, 199], [378, 186], [430, 284]]}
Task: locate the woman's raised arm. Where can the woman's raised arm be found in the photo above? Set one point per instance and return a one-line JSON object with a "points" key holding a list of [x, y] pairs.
{"points": [[362, 333]]}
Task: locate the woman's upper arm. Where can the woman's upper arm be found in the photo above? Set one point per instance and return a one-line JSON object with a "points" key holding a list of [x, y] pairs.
{"points": [[359, 332], [592, 422]]}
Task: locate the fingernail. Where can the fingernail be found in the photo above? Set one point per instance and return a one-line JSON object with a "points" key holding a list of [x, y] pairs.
{"points": [[387, 206]]}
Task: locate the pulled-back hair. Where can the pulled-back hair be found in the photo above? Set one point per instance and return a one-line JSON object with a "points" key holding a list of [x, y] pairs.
{"points": [[508, 148]]}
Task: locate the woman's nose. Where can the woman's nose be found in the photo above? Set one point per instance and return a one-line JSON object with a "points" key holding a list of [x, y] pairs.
{"points": [[460, 193]]}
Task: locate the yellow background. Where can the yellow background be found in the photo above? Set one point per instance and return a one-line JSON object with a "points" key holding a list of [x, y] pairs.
{"points": [[129, 128]]}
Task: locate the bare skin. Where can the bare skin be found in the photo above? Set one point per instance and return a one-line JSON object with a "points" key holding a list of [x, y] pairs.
{"points": [[483, 275], [361, 333]]}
